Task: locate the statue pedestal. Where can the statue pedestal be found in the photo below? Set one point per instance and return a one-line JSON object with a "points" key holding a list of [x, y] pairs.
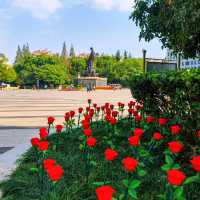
{"points": [[92, 82]]}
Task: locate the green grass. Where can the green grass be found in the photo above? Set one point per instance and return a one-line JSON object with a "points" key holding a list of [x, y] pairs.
{"points": [[24, 183]]}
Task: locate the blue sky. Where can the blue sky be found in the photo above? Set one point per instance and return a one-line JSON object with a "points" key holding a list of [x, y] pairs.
{"points": [[103, 24]]}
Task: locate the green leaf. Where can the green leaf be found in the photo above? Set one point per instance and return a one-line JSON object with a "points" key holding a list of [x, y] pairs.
{"points": [[176, 166], [141, 172], [121, 197], [132, 193], [161, 196], [166, 167], [34, 169], [134, 184], [125, 182], [93, 163], [191, 180], [169, 160], [178, 193], [143, 153], [99, 183]]}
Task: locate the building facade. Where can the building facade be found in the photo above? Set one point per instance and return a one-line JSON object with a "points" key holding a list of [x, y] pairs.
{"points": [[185, 63]]}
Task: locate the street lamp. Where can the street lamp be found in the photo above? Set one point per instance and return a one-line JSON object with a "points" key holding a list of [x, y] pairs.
{"points": [[144, 51]]}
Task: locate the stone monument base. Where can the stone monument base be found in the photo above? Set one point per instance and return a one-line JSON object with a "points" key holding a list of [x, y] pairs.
{"points": [[92, 82]]}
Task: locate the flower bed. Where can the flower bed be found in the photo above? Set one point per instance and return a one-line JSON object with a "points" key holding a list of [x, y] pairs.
{"points": [[115, 153]]}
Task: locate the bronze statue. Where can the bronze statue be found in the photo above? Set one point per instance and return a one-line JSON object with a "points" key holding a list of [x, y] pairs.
{"points": [[90, 62]]}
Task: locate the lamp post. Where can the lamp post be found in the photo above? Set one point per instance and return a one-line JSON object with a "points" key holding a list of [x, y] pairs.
{"points": [[144, 51]]}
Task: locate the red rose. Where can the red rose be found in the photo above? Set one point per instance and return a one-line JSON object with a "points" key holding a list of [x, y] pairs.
{"points": [[43, 133], [47, 163], [80, 110], [110, 154], [175, 147], [51, 120], [105, 192], [59, 128], [91, 142], [89, 101], [138, 118], [175, 129], [98, 109], [87, 132], [108, 111], [138, 132], [94, 105], [122, 105], [72, 113], [43, 145], [35, 142], [85, 124], [115, 113], [134, 141], [149, 119], [102, 108], [87, 117], [162, 121], [87, 108], [139, 107], [129, 105], [112, 106], [67, 116], [55, 172], [113, 121], [107, 105], [134, 113], [175, 177], [91, 112], [198, 133], [130, 164], [196, 163], [157, 136], [130, 111], [132, 103]]}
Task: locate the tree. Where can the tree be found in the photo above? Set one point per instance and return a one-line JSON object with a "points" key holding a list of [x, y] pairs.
{"points": [[72, 51], [123, 71], [174, 22], [78, 65], [129, 55], [26, 50], [18, 54], [118, 55], [7, 73], [48, 69], [64, 51], [125, 54]]}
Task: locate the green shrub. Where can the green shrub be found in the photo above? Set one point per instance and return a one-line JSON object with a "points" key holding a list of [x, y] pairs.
{"points": [[175, 94]]}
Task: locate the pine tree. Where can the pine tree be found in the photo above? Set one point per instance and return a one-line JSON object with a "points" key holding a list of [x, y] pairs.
{"points": [[64, 51], [129, 55], [118, 55], [18, 54], [27, 48], [125, 54], [72, 51]]}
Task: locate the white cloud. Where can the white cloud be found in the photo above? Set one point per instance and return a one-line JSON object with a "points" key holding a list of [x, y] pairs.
{"points": [[120, 5], [43, 9], [40, 9]]}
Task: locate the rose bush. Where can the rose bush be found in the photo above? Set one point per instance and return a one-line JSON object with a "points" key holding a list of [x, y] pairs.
{"points": [[141, 155]]}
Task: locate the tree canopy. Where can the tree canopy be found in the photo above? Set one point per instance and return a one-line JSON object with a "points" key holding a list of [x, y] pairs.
{"points": [[49, 69], [7, 73], [175, 22]]}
